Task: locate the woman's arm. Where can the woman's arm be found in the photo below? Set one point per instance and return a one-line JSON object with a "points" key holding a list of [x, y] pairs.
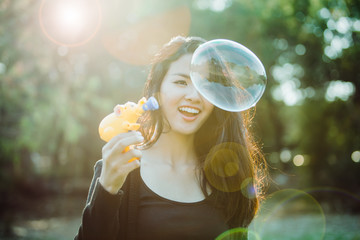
{"points": [[100, 219]]}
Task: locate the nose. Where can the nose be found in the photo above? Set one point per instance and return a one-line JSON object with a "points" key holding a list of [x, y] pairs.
{"points": [[192, 94]]}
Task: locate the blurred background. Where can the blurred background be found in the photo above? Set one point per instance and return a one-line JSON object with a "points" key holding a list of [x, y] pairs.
{"points": [[64, 64]]}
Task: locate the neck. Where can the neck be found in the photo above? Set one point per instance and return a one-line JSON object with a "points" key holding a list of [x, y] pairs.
{"points": [[174, 149]]}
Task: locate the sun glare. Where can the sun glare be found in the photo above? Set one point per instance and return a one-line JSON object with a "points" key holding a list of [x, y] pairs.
{"points": [[70, 22], [70, 17]]}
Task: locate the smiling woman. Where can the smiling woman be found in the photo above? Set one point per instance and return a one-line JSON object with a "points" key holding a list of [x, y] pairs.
{"points": [[200, 171], [185, 109], [70, 22]]}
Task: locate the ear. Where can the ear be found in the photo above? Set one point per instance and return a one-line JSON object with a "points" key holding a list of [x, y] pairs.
{"points": [[117, 110]]}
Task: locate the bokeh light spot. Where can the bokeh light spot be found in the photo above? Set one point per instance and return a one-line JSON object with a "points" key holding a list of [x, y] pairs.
{"points": [[231, 168], [356, 25], [248, 188], [281, 43], [298, 160], [221, 163], [285, 155], [222, 168], [355, 156], [300, 49], [325, 13], [339, 90], [2, 68]]}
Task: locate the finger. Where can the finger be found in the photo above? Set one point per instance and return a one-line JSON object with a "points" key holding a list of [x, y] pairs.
{"points": [[131, 166], [124, 158], [122, 144], [119, 137], [122, 173]]}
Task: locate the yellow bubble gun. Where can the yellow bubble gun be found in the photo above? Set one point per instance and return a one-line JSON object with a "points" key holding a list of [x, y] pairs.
{"points": [[124, 118]]}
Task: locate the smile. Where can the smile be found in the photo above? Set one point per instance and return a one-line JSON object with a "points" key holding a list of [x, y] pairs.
{"points": [[189, 110], [189, 114]]}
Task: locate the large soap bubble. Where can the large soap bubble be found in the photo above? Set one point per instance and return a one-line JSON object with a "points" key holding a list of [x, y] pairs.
{"points": [[228, 75]]}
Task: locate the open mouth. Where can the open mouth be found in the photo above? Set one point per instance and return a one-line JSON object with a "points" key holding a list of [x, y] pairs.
{"points": [[189, 111]]}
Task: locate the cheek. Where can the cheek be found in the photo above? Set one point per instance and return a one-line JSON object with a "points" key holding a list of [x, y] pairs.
{"points": [[169, 96], [208, 106], [164, 100], [167, 104]]}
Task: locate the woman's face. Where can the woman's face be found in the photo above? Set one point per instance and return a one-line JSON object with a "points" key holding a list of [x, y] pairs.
{"points": [[182, 106]]}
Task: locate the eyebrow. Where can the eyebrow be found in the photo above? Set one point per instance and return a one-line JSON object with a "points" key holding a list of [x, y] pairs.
{"points": [[182, 75]]}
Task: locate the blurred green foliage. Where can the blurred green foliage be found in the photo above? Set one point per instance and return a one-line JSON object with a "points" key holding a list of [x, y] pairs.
{"points": [[53, 97]]}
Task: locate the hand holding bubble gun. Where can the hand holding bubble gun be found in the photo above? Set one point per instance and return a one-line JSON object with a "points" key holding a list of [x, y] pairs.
{"points": [[124, 118]]}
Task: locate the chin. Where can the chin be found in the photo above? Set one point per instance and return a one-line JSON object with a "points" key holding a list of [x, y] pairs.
{"points": [[185, 127], [185, 130]]}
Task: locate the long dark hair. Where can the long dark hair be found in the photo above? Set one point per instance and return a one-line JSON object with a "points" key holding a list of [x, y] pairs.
{"points": [[230, 162]]}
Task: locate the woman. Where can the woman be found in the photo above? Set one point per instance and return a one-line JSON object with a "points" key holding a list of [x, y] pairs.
{"points": [[199, 165]]}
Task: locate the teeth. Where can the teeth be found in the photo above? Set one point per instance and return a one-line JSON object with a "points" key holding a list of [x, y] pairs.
{"points": [[189, 110]]}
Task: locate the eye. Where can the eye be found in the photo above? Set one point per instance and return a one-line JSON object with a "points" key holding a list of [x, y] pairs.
{"points": [[181, 82]]}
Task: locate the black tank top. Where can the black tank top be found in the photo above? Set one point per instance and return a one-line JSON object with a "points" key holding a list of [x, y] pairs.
{"points": [[161, 218]]}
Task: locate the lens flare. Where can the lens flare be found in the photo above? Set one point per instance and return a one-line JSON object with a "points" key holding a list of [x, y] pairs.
{"points": [[70, 22], [340, 199], [248, 188], [223, 171], [137, 43], [70, 17], [238, 234], [228, 75], [289, 214]]}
